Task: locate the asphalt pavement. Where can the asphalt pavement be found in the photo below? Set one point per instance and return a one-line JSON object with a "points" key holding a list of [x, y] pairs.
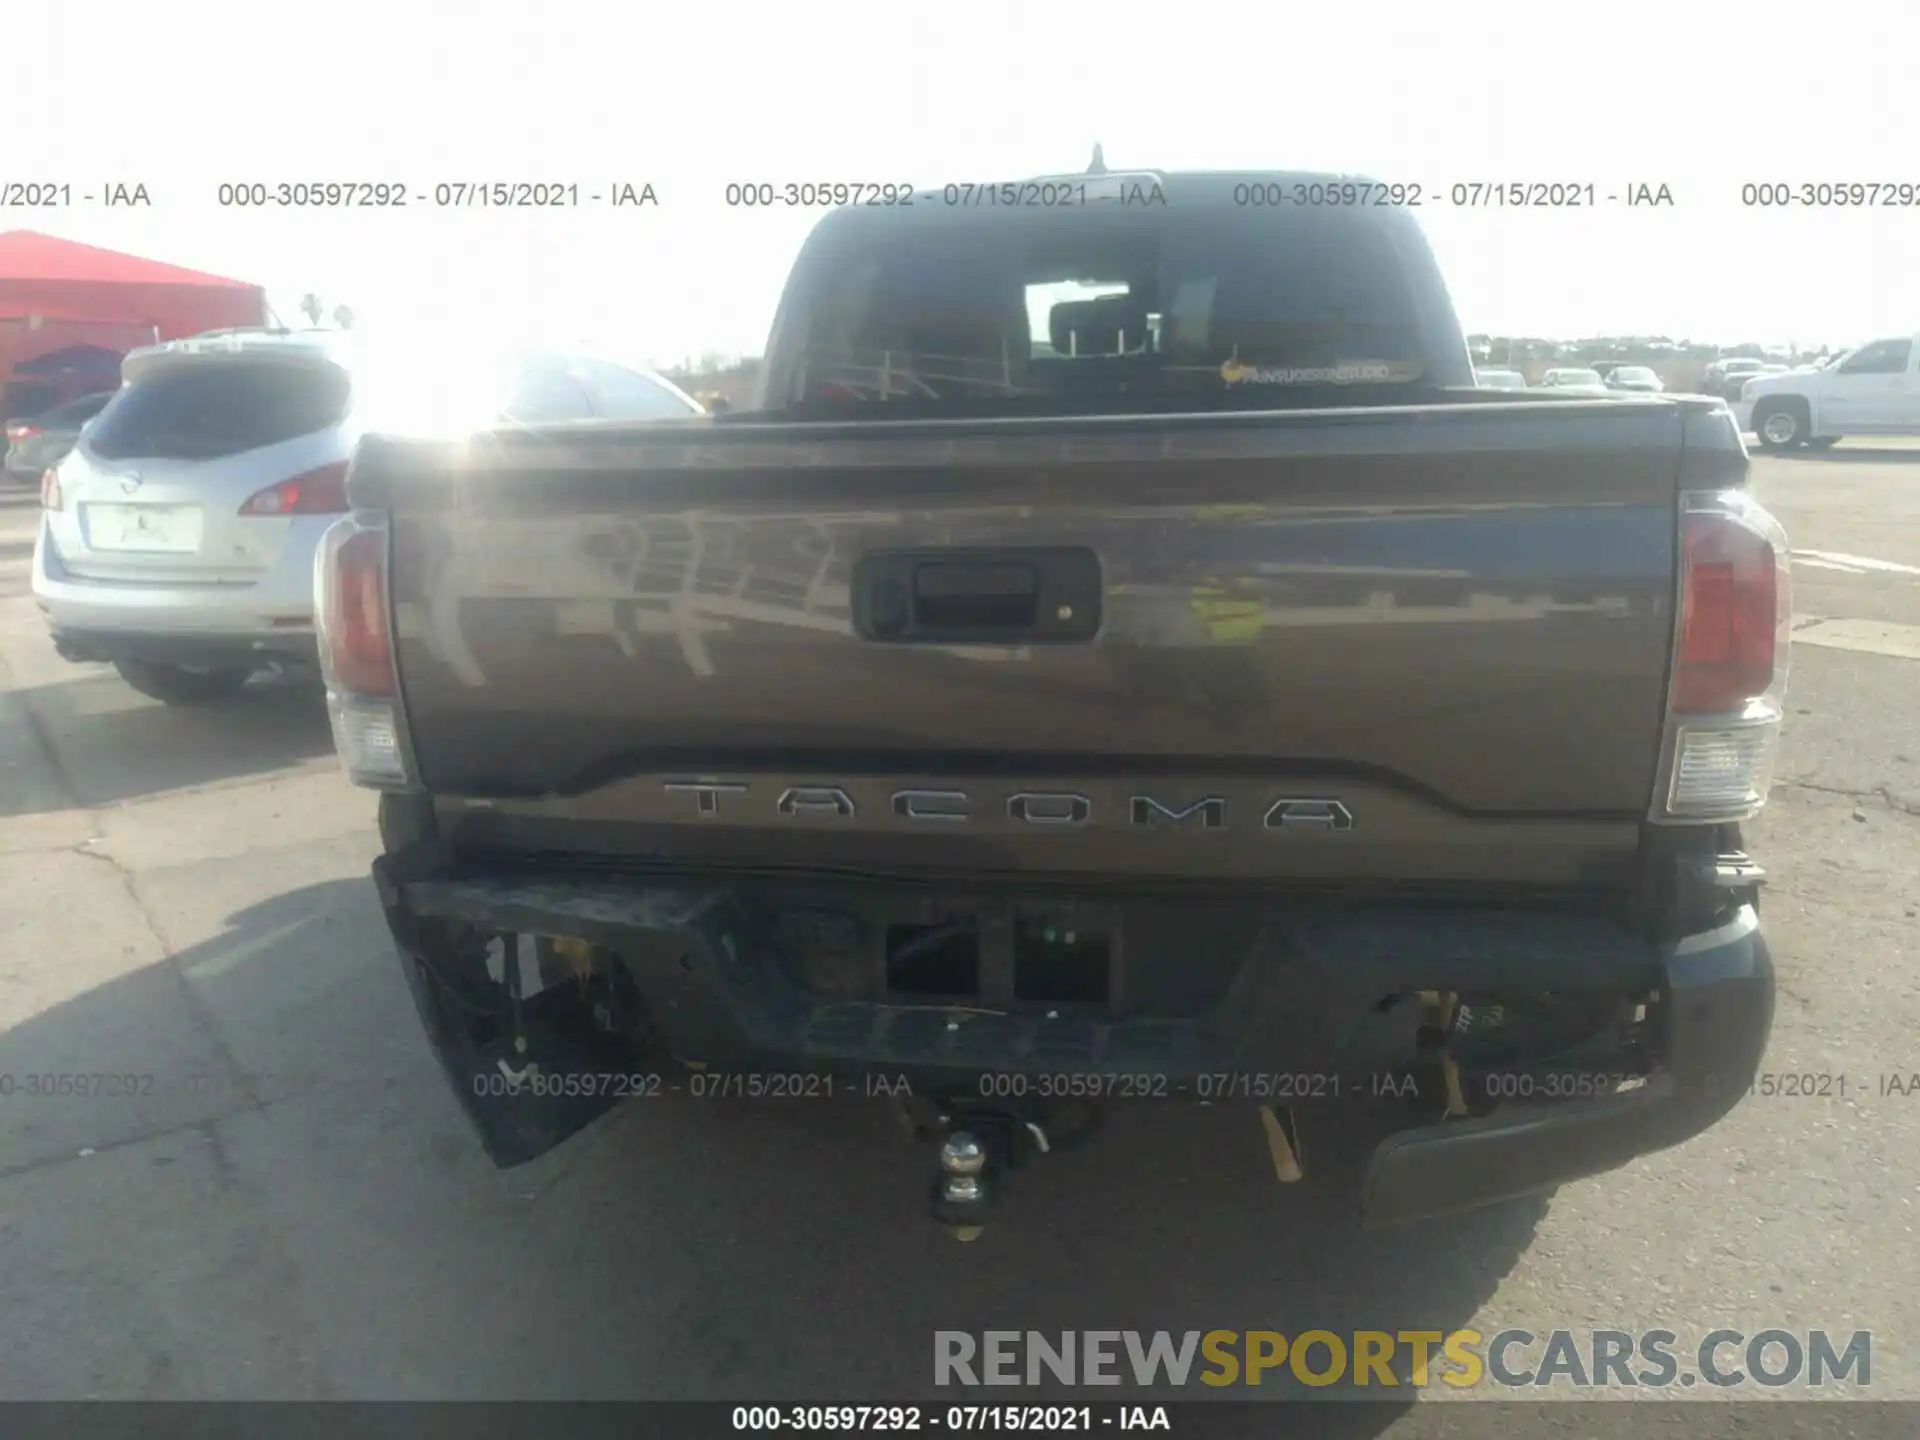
{"points": [[285, 1202]]}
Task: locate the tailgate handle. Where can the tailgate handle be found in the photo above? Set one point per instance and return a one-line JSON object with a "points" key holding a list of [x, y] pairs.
{"points": [[1037, 595], [967, 595]]}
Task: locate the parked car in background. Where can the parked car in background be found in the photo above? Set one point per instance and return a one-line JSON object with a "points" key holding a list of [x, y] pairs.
{"points": [[1873, 390], [23, 399], [1634, 377], [1730, 389], [177, 536], [1604, 368], [64, 374], [1500, 379], [1725, 377], [44, 440], [1572, 378]]}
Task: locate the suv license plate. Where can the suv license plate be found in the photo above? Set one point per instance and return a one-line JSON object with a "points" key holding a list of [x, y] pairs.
{"points": [[171, 529]]}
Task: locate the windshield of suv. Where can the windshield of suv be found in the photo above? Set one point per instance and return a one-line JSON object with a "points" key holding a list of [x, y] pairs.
{"points": [[1017, 312]]}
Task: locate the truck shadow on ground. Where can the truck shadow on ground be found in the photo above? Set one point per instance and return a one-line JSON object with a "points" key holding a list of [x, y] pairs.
{"points": [[679, 1249], [109, 744]]}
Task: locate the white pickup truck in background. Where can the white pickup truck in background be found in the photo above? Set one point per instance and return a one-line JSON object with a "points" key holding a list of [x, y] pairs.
{"points": [[1873, 390]]}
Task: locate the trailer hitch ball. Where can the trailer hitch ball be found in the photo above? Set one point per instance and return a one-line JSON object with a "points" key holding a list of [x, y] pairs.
{"points": [[961, 1193], [962, 1157]]}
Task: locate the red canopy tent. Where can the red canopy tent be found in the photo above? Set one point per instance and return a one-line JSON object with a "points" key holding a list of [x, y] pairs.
{"points": [[55, 294]]}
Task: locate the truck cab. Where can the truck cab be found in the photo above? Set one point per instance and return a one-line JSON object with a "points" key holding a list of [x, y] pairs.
{"points": [[1872, 390]]}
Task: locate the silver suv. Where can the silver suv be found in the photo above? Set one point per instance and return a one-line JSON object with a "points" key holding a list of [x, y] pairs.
{"points": [[177, 537]]}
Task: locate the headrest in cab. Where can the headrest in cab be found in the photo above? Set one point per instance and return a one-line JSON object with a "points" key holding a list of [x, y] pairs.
{"points": [[1097, 327]]}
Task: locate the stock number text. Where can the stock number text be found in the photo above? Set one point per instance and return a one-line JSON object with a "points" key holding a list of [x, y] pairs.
{"points": [[1273, 194], [1830, 194], [313, 194], [1006, 1084], [811, 194]]}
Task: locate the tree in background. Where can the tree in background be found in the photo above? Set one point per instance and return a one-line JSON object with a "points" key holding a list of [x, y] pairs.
{"points": [[310, 307], [343, 316]]}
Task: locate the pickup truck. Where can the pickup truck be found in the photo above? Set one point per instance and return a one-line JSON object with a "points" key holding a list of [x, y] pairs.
{"points": [[1120, 657], [1871, 390]]}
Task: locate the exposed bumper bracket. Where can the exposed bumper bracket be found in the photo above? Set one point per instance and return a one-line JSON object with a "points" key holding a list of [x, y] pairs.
{"points": [[1715, 1017]]}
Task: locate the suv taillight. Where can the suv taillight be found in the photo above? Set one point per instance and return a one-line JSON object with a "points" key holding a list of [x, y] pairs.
{"points": [[316, 492], [17, 433], [50, 498], [353, 620], [1731, 644]]}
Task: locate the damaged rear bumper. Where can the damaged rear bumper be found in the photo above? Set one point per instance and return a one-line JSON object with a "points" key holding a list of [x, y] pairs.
{"points": [[1719, 992], [1308, 998]]}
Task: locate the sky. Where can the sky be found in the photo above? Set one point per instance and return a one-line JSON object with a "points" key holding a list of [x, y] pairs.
{"points": [[186, 96]]}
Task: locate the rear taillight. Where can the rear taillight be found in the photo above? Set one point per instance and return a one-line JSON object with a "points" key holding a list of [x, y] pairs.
{"points": [[1730, 582], [353, 619], [355, 616], [317, 492], [17, 433], [1731, 645], [50, 489]]}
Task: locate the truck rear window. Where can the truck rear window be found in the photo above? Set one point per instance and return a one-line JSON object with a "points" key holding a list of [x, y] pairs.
{"points": [[213, 408], [1163, 304]]}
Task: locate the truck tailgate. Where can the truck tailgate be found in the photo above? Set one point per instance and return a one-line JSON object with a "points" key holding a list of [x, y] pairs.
{"points": [[1464, 611]]}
